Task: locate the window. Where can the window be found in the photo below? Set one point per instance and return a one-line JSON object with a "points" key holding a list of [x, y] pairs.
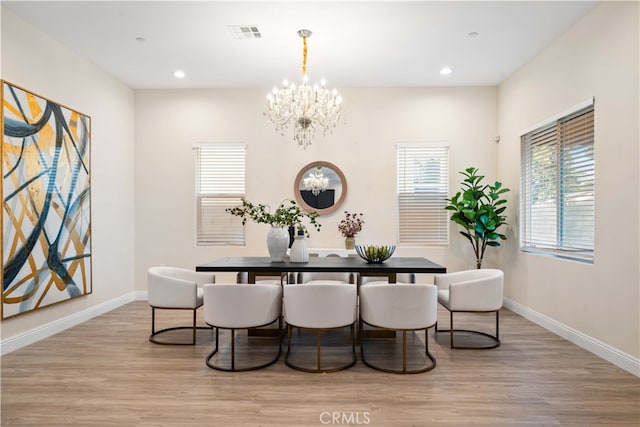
{"points": [[557, 186], [423, 186], [220, 184]]}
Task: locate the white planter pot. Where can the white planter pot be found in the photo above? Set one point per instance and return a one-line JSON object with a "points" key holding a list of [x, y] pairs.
{"points": [[278, 243]]}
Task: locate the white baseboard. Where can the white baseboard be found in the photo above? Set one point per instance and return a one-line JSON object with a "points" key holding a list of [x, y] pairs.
{"points": [[16, 342], [605, 351], [141, 296]]}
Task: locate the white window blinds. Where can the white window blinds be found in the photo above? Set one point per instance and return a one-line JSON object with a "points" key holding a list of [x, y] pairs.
{"points": [[220, 184], [558, 180], [423, 186]]}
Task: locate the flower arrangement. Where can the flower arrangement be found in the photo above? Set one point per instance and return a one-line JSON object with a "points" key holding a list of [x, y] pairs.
{"points": [[288, 214], [351, 224]]}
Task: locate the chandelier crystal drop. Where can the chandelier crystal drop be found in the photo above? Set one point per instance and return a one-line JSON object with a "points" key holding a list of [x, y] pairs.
{"points": [[316, 182], [307, 107]]}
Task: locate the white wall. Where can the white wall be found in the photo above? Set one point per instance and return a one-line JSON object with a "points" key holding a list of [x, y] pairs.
{"points": [[599, 58], [169, 122], [37, 63]]}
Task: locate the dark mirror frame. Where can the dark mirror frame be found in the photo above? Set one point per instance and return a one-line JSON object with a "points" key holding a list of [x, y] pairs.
{"points": [[306, 169]]}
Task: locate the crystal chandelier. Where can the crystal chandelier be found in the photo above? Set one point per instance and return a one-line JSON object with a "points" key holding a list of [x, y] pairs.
{"points": [[304, 106], [316, 182]]}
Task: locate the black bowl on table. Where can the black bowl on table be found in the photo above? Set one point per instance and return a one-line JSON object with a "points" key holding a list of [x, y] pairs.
{"points": [[375, 254]]}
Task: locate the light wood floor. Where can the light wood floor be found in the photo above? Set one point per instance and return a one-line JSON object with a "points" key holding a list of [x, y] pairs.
{"points": [[106, 373]]}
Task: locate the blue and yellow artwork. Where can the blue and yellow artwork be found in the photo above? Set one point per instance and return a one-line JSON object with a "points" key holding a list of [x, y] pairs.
{"points": [[46, 202]]}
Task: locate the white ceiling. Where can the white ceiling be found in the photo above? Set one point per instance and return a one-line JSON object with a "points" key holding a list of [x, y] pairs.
{"points": [[354, 44]]}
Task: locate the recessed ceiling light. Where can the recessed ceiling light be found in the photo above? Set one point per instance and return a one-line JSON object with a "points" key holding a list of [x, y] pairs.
{"points": [[445, 71], [179, 74], [473, 34], [141, 39]]}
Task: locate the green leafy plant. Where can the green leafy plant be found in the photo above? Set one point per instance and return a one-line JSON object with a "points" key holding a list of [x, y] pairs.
{"points": [[478, 209], [288, 214]]}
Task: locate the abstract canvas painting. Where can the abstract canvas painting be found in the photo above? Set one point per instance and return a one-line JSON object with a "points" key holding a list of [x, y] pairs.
{"points": [[46, 202]]}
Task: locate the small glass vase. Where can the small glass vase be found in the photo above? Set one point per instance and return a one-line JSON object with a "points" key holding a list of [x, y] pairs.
{"points": [[349, 242]]}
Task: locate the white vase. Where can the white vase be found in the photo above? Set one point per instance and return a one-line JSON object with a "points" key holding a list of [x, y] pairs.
{"points": [[299, 250], [278, 243]]}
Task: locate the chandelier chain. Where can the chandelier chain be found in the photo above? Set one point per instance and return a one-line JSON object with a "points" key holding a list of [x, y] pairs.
{"points": [[304, 55]]}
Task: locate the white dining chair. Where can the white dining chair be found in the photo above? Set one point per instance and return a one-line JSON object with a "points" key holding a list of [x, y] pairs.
{"points": [[404, 308], [320, 307], [236, 306], [175, 288], [471, 291], [306, 277], [275, 278], [400, 278]]}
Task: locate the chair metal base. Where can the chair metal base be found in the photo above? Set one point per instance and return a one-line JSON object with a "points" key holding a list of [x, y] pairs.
{"points": [[404, 370], [319, 368], [495, 340], [233, 351], [193, 328]]}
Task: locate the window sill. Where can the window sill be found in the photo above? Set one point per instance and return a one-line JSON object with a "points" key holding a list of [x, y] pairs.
{"points": [[585, 259]]}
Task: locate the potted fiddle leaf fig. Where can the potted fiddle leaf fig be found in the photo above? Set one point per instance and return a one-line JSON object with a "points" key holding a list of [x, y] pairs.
{"points": [[478, 209]]}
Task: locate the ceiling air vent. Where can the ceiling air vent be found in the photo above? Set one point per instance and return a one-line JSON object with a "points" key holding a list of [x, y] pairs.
{"points": [[242, 32]]}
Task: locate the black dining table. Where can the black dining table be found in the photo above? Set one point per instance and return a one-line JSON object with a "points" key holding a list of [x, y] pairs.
{"points": [[264, 266]]}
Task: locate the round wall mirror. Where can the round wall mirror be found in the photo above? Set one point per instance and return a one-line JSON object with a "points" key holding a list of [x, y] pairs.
{"points": [[320, 187]]}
